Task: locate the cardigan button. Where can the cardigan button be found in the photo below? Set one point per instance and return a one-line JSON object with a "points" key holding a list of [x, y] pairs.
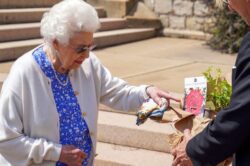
{"points": [[92, 134], [84, 114], [76, 93]]}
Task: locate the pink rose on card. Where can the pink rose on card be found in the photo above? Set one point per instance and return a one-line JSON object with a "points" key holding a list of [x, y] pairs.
{"points": [[194, 101]]}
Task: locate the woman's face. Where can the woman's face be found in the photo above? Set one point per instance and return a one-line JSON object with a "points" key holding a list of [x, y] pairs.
{"points": [[242, 7], [73, 54]]}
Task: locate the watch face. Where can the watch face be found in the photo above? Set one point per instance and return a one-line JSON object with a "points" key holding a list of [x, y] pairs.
{"points": [[194, 101]]}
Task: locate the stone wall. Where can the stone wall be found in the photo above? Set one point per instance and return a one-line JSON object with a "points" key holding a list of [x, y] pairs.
{"points": [[182, 14]]}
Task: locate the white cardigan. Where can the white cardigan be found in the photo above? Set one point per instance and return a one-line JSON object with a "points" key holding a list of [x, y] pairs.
{"points": [[29, 122]]}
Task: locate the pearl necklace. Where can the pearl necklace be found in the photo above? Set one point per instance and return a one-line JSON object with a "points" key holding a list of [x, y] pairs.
{"points": [[64, 83]]}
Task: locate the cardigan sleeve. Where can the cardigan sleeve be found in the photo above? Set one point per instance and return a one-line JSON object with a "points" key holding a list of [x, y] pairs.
{"points": [[15, 147], [115, 92], [229, 131]]}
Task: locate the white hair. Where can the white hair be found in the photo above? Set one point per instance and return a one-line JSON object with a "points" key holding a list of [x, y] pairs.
{"points": [[66, 18]]}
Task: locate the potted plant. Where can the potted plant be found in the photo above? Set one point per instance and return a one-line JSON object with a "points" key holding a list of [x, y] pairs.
{"points": [[219, 92]]}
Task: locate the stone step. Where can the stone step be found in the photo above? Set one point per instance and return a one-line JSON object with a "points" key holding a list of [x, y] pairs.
{"points": [[134, 22], [10, 16], [11, 32], [121, 129], [116, 155], [6, 4], [27, 15], [109, 38], [187, 34], [108, 24], [14, 49]]}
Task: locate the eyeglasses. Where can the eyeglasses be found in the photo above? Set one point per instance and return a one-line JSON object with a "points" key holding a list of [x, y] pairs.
{"points": [[80, 50], [226, 2]]}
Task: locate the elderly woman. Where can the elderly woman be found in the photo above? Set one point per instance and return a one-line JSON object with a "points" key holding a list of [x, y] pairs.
{"points": [[228, 134], [49, 102]]}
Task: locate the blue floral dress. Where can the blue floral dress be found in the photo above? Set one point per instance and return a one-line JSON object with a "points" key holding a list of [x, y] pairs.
{"points": [[73, 128]]}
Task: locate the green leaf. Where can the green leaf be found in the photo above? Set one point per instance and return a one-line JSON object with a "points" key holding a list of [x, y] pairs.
{"points": [[210, 105], [219, 91]]}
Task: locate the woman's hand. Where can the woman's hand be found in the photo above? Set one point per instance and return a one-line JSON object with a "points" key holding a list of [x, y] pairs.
{"points": [[179, 153], [156, 94], [71, 155]]}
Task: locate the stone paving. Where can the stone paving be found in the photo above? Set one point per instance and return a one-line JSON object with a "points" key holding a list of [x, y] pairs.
{"points": [[163, 62]]}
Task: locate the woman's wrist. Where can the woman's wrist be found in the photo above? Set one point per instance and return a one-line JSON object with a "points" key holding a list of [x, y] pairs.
{"points": [[147, 92]]}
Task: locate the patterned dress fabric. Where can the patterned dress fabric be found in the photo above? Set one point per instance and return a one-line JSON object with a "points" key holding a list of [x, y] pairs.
{"points": [[73, 127]]}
